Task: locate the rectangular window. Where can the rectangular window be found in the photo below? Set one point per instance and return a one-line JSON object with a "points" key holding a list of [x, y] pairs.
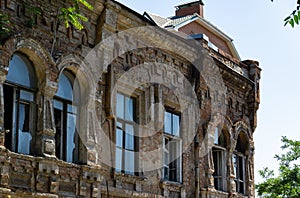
{"points": [[172, 148], [219, 169], [239, 167], [66, 136], [125, 135]]}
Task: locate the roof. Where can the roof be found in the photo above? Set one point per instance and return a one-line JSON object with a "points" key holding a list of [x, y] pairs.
{"points": [[177, 22], [158, 20]]}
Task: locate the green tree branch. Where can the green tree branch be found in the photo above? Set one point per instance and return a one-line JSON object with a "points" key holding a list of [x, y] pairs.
{"points": [[287, 183], [294, 18]]}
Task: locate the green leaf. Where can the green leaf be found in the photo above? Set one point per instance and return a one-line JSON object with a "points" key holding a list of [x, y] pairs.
{"points": [[86, 4], [292, 23], [296, 19], [4, 24], [72, 15], [287, 183], [285, 23], [81, 17]]}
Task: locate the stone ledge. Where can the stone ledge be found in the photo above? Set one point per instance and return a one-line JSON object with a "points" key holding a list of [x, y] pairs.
{"points": [[127, 193], [213, 193], [129, 178], [172, 186]]}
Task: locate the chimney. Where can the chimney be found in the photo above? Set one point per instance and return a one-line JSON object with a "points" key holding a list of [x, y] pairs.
{"points": [[190, 8]]}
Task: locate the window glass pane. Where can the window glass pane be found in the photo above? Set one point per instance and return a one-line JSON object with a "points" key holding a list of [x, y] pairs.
{"points": [[176, 125], [216, 136], [72, 109], [129, 162], [173, 151], [166, 173], [14, 125], [58, 118], [129, 137], [118, 159], [128, 109], [166, 158], [119, 125], [70, 137], [24, 135], [57, 104], [222, 139], [172, 172], [65, 87], [241, 168], [21, 72], [119, 138], [25, 95], [168, 123], [234, 161], [218, 162], [120, 106]]}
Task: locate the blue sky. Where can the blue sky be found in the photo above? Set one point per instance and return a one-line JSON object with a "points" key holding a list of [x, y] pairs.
{"points": [[258, 32]]}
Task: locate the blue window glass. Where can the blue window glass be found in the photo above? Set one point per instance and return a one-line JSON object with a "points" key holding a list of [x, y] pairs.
{"points": [[125, 142], [65, 113], [19, 105], [21, 72], [65, 86], [172, 124]]}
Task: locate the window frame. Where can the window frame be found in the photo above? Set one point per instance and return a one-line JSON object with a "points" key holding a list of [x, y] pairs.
{"points": [[173, 138], [220, 168], [220, 176], [61, 138], [239, 179], [12, 109], [124, 122]]}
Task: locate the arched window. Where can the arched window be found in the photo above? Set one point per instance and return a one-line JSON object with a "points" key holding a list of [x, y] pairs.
{"points": [[65, 113], [219, 151], [239, 162], [19, 105]]}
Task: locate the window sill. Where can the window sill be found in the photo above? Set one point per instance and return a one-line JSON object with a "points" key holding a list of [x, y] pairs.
{"points": [[241, 195], [171, 185], [132, 179], [214, 193]]}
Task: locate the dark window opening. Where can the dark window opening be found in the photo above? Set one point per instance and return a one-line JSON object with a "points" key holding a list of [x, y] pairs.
{"points": [[19, 105]]}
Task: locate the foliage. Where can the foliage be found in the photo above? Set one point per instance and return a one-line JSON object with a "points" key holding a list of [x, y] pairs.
{"points": [[72, 14], [294, 17], [4, 24], [287, 183], [32, 11]]}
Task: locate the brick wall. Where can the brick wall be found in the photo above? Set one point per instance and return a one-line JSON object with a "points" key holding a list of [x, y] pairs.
{"points": [[44, 175], [197, 8], [195, 28]]}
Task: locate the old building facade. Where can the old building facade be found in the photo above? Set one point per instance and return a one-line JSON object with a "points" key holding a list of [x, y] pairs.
{"points": [[131, 106]]}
